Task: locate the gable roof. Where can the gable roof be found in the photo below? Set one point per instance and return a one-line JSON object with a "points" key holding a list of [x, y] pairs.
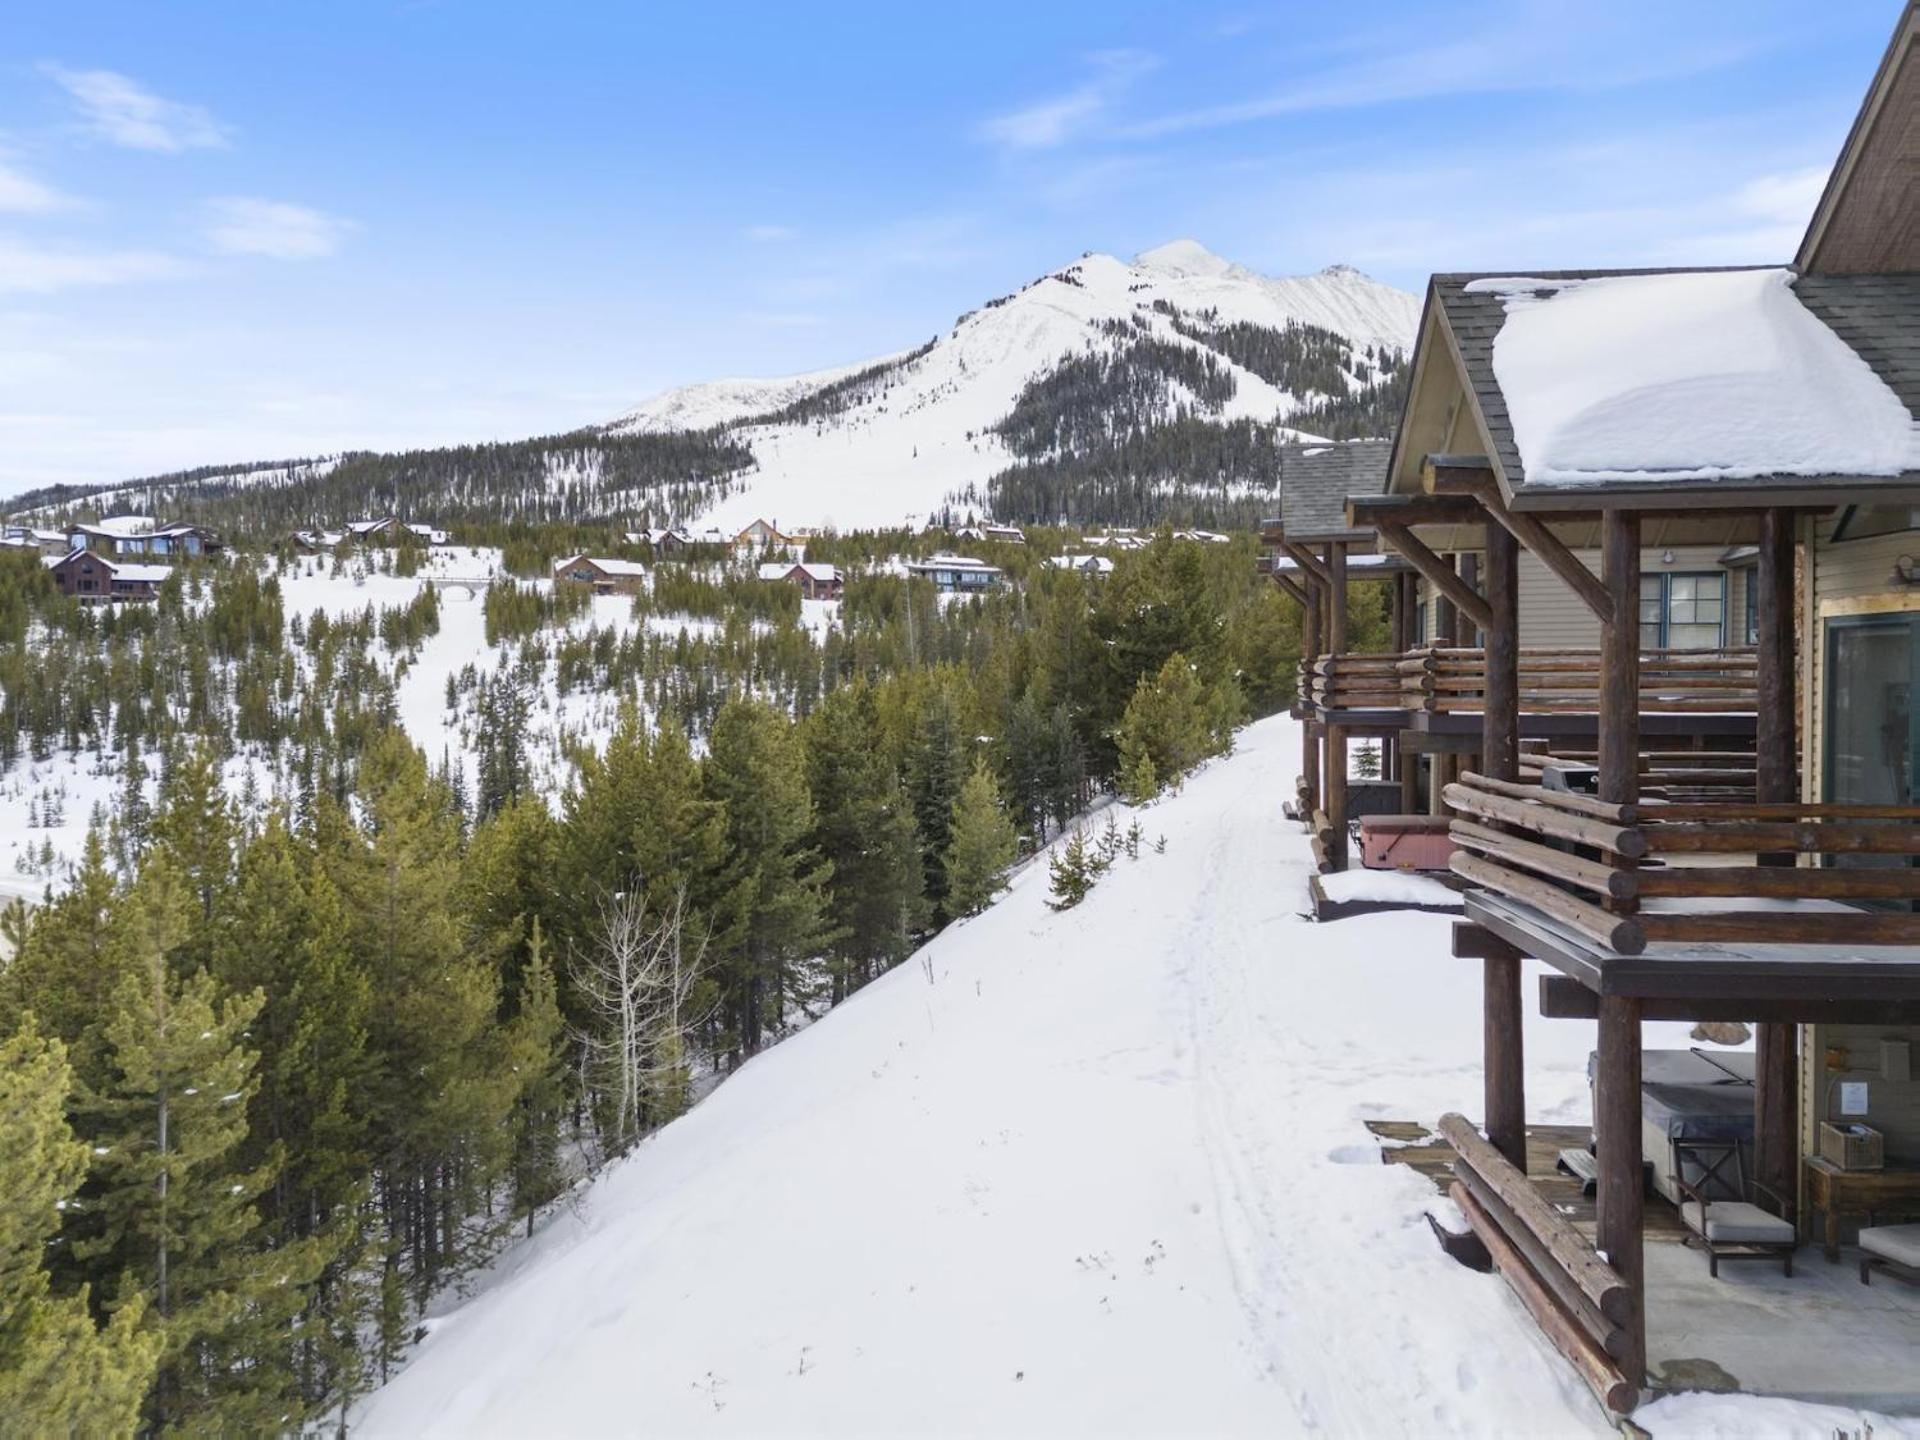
{"points": [[1315, 481], [1868, 218], [1878, 316], [624, 568]]}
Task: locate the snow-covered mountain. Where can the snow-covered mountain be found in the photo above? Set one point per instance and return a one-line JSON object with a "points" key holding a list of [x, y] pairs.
{"points": [[898, 437], [1103, 392]]}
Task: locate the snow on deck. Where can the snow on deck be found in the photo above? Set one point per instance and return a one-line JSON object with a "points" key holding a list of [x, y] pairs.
{"points": [[1718, 375], [1098, 1173]]}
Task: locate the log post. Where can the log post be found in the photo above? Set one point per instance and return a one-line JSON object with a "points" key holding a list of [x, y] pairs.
{"points": [[1468, 564], [1409, 760], [1621, 1184], [1336, 562], [1309, 730], [1775, 1097], [1445, 624], [1500, 720], [1619, 718], [1503, 1053]]}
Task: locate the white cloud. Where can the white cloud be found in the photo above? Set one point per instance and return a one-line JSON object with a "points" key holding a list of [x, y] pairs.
{"points": [[117, 110], [21, 194], [38, 270], [239, 225], [1050, 123]]}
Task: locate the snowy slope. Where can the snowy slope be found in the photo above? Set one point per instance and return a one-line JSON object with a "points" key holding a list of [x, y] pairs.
{"points": [[1101, 1173], [902, 454]]}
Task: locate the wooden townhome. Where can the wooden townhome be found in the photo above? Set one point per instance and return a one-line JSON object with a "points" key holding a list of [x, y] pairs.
{"points": [[1766, 415]]}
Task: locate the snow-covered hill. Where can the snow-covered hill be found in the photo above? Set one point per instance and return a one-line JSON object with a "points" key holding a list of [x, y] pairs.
{"points": [[1094, 1173], [918, 432]]}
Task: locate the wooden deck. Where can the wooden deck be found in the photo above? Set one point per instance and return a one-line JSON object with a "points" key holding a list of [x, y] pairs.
{"points": [[1418, 1147]]}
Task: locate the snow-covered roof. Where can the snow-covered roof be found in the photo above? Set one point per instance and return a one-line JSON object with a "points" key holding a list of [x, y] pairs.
{"points": [[125, 524], [622, 568], [952, 562], [1695, 376], [153, 574], [1097, 564], [1718, 382], [818, 573]]}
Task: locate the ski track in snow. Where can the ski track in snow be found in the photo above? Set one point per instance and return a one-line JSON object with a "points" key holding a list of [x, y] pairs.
{"points": [[1094, 1173]]}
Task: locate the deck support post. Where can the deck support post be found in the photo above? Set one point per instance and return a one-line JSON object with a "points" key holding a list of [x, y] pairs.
{"points": [[1500, 725], [1310, 650], [1468, 565], [1503, 1052], [1336, 777], [1621, 1183], [1616, 1105], [1775, 1089]]}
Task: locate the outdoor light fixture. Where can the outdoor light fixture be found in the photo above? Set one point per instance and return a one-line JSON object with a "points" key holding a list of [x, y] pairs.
{"points": [[1902, 571]]}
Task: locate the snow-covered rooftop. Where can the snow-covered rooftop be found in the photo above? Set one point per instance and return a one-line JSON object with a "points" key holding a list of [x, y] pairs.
{"points": [[1693, 376], [603, 565]]}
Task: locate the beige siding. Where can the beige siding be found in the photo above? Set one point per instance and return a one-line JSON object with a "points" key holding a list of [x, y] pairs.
{"points": [[1847, 577], [1552, 616], [1893, 1106]]}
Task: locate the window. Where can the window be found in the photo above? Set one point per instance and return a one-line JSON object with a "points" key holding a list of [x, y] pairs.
{"points": [[1872, 731], [1683, 612], [1752, 626]]}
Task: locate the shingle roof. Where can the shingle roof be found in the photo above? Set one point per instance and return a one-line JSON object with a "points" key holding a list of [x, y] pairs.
{"points": [[1315, 481], [1878, 315]]}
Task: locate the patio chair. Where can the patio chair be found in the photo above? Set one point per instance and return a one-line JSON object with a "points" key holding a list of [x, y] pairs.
{"points": [[1727, 1224], [1892, 1248]]}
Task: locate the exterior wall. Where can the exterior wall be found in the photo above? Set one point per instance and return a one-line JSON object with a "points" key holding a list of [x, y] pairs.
{"points": [[1551, 615], [1850, 577], [585, 572], [1893, 1106]]}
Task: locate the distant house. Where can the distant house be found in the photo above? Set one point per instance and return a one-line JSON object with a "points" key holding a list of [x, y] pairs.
{"points": [[1091, 565], [816, 582], [128, 536], [1117, 540], [315, 542], [661, 542], [96, 580], [603, 576], [391, 530], [762, 537], [1004, 534], [958, 573], [1204, 537], [27, 537]]}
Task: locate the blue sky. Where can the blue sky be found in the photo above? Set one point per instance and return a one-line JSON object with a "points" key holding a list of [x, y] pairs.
{"points": [[237, 231]]}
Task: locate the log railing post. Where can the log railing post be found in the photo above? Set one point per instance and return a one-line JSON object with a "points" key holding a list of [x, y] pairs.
{"points": [[1336, 777], [1500, 721], [1775, 1097], [1619, 717]]}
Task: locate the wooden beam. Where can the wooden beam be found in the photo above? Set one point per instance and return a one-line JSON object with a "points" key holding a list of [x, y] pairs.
{"points": [[1367, 512], [1456, 474], [1773, 617], [1292, 587], [1587, 587], [1564, 998], [1500, 724], [1437, 571], [1505, 1058], [1621, 1185], [1307, 561]]}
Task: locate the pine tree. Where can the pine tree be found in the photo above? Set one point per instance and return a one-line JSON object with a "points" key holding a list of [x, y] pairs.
{"points": [[1166, 727], [175, 1225], [534, 1043], [59, 1374], [1070, 872], [983, 844], [774, 913], [936, 768]]}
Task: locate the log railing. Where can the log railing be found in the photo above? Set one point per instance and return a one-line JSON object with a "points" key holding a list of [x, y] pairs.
{"points": [[1662, 871], [1444, 680], [1580, 1301]]}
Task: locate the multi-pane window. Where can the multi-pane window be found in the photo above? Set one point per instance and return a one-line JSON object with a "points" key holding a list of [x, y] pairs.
{"points": [[1683, 612]]}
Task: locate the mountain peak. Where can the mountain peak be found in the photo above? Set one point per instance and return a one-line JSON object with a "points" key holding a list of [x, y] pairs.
{"points": [[1183, 257]]}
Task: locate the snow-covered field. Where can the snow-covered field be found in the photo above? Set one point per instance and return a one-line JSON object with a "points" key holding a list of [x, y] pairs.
{"points": [[77, 784], [1095, 1173]]}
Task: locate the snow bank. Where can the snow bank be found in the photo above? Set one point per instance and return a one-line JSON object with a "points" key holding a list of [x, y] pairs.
{"points": [[1103, 1172], [1706, 376], [1386, 887]]}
